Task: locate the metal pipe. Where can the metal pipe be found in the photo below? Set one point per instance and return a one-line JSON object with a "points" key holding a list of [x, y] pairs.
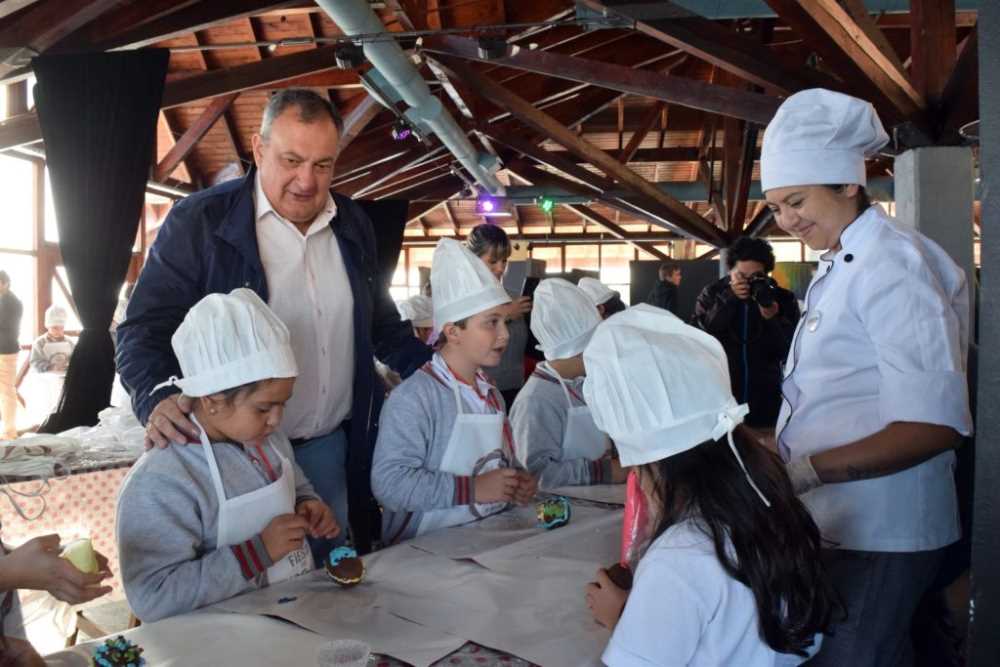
{"points": [[356, 18]]}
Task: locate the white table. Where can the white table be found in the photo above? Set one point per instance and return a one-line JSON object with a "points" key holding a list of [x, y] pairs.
{"points": [[421, 602]]}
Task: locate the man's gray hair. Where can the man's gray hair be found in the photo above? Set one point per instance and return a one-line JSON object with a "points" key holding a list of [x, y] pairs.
{"points": [[310, 105]]}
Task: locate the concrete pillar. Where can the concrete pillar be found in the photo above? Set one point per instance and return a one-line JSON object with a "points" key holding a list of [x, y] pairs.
{"points": [[934, 194]]}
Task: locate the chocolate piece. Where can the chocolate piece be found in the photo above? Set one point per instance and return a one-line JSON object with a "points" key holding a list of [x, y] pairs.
{"points": [[620, 576], [344, 567]]}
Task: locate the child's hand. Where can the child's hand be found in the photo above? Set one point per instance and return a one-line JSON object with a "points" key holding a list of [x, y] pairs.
{"points": [[284, 534], [320, 518], [496, 486], [605, 600], [527, 486]]}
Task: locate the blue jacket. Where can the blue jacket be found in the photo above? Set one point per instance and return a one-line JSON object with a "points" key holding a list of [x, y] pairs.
{"points": [[208, 244]]}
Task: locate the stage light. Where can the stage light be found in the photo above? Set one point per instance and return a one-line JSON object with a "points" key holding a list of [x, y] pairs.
{"points": [[546, 204]]}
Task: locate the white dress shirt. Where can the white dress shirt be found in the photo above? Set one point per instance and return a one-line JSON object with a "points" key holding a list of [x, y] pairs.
{"points": [[883, 339], [309, 290]]}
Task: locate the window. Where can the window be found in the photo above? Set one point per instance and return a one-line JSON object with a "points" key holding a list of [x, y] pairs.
{"points": [[16, 186], [583, 257], [786, 251], [551, 255], [615, 268]]}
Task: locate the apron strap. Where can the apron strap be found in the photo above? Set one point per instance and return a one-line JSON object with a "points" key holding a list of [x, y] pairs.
{"points": [[213, 466], [552, 375]]}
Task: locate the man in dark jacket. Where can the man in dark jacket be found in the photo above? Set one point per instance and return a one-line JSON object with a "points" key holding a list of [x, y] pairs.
{"points": [[10, 325], [755, 320], [664, 292], [310, 254]]}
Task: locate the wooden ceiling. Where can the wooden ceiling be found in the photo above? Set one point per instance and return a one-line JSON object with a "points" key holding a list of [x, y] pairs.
{"points": [[625, 110]]}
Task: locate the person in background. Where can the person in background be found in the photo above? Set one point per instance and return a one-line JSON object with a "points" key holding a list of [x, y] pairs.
{"points": [[491, 244], [445, 454], [664, 292], [419, 311], [10, 326], [730, 572], [607, 300], [875, 387], [554, 432], [196, 525], [754, 318], [51, 351]]}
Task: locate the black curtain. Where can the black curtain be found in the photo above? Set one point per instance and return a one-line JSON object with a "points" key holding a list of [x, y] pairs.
{"points": [[98, 118], [388, 218]]}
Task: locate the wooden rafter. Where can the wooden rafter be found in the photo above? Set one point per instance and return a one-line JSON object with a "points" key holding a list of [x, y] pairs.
{"points": [[186, 143], [357, 114], [200, 16], [615, 230], [723, 100], [843, 40], [24, 129], [451, 217], [648, 122], [235, 140], [168, 127], [40, 26], [541, 122], [959, 102], [712, 42], [126, 17]]}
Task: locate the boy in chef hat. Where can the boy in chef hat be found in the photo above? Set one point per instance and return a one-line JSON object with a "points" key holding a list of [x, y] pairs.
{"points": [[419, 310], [553, 427], [445, 453], [607, 300], [200, 524], [731, 572]]}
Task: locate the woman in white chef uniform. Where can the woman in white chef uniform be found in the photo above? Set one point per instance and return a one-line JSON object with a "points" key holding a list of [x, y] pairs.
{"points": [[875, 396]]}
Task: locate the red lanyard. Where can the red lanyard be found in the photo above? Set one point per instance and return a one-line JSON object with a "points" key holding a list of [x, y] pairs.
{"points": [[261, 459]]}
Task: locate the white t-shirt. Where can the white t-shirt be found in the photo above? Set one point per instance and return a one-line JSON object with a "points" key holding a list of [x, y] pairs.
{"points": [[685, 610]]}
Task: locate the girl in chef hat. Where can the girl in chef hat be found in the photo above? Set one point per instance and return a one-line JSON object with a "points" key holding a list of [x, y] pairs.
{"points": [[200, 524], [730, 573], [445, 452]]}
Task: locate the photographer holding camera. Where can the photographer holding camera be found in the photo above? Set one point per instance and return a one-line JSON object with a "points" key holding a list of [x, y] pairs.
{"points": [[754, 319]]}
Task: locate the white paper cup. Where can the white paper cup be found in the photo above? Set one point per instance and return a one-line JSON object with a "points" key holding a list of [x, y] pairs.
{"points": [[344, 653]]}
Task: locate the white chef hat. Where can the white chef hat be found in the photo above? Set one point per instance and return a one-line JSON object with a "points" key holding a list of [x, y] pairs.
{"points": [[55, 316], [462, 284], [598, 292], [659, 387], [229, 340], [418, 309], [563, 318], [819, 137]]}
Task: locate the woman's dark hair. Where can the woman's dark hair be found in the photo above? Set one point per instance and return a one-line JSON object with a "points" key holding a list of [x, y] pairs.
{"points": [[863, 198], [613, 305], [777, 548], [754, 250], [486, 237]]}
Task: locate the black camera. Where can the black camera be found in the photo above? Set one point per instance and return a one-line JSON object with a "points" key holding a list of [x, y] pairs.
{"points": [[762, 289]]}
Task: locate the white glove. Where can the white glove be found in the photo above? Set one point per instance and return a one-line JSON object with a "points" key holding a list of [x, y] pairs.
{"points": [[803, 475]]}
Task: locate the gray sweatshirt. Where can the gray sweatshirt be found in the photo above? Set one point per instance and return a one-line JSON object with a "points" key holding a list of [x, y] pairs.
{"points": [[167, 524], [538, 418], [42, 356], [414, 430]]}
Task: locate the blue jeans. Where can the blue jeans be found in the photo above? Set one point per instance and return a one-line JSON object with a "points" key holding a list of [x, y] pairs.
{"points": [[881, 592], [323, 460]]}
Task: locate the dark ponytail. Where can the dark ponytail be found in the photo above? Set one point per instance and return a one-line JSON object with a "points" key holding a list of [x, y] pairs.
{"points": [[777, 548]]}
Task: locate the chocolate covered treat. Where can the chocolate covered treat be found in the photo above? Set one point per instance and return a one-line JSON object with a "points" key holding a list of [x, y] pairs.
{"points": [[118, 652], [620, 576], [553, 513], [344, 566]]}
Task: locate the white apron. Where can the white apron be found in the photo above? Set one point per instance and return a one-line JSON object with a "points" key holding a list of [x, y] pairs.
{"points": [[474, 447], [246, 515], [581, 438]]}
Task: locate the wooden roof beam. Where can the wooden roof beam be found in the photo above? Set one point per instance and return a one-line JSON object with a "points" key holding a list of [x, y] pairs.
{"points": [[933, 46], [723, 100], [843, 40], [648, 122], [713, 43], [186, 143], [617, 231], [38, 27]]}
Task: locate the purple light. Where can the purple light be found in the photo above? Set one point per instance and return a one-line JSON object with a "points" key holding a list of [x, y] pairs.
{"points": [[488, 206]]}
